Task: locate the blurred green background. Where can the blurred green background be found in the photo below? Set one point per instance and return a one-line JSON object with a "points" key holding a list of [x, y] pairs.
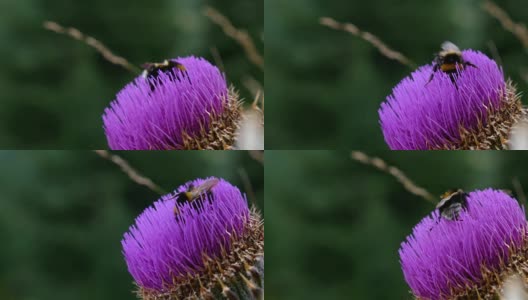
{"points": [[335, 225], [54, 89], [326, 86], [63, 214]]}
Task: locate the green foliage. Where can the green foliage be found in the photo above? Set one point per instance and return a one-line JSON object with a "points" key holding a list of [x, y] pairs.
{"points": [[54, 88], [63, 215], [327, 85], [336, 225]]}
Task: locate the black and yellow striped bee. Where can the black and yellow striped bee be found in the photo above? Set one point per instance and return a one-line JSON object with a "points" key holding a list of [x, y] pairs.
{"points": [[152, 70], [452, 204], [449, 60], [195, 194]]}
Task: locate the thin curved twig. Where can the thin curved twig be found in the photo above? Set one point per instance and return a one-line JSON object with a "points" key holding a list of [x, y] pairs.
{"points": [[92, 42], [240, 36], [518, 29], [381, 165], [132, 173], [369, 37]]}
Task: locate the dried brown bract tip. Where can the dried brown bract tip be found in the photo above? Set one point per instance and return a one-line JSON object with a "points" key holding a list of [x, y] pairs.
{"points": [[224, 277], [509, 279], [494, 132], [223, 127]]}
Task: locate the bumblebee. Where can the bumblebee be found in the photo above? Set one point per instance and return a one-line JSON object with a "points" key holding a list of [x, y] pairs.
{"points": [[195, 194], [449, 60], [152, 70], [452, 204]]}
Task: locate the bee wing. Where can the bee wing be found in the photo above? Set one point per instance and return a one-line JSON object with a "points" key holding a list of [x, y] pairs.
{"points": [[448, 46], [165, 63], [206, 186], [448, 195], [442, 202], [210, 183], [147, 65]]}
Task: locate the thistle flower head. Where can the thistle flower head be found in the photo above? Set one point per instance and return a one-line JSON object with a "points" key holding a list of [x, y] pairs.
{"points": [[188, 108], [472, 109], [443, 259], [176, 253]]}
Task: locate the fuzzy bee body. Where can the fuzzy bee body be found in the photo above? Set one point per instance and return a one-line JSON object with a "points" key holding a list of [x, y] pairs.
{"points": [[195, 194], [449, 60], [152, 70], [452, 204]]}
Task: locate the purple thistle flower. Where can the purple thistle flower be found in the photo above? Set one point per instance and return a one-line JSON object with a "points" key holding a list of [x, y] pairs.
{"points": [[178, 109], [160, 247], [442, 256], [443, 114], [175, 253]]}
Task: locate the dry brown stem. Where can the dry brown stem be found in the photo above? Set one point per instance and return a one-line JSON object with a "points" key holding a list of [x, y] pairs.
{"points": [[381, 165], [240, 36], [519, 190], [248, 187], [217, 58], [92, 42], [369, 37], [132, 173], [257, 155], [518, 29]]}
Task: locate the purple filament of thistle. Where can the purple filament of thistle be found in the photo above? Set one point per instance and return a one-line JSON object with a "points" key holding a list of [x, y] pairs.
{"points": [[420, 115], [442, 254], [160, 247], [153, 113]]}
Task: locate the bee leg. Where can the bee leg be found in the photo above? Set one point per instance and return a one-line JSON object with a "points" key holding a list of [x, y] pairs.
{"points": [[435, 68], [209, 196], [455, 83], [184, 74], [430, 78], [467, 63], [197, 204], [152, 86], [436, 223], [452, 76], [176, 211], [181, 198]]}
